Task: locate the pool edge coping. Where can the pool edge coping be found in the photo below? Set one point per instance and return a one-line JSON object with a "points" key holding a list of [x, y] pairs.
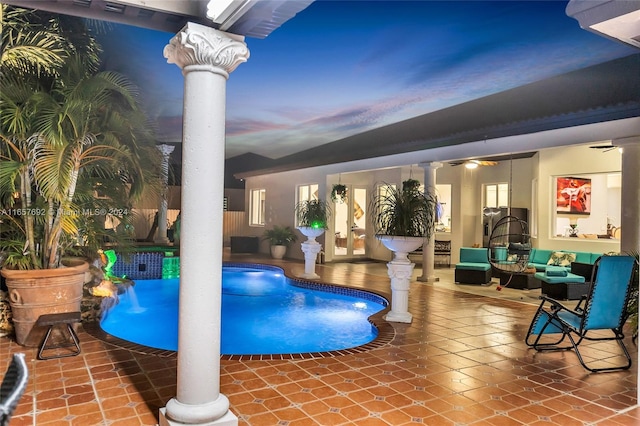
{"points": [[386, 332]]}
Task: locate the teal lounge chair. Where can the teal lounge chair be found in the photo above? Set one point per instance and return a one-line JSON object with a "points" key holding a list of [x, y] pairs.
{"points": [[601, 311]]}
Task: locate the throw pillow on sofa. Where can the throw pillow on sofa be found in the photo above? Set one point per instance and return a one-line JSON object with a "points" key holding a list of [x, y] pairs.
{"points": [[560, 258]]}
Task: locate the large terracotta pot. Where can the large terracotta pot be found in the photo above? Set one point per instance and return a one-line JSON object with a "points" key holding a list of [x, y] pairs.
{"points": [[43, 291]]}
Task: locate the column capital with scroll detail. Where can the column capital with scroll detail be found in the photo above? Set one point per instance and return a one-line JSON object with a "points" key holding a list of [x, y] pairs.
{"points": [[165, 149], [206, 48]]}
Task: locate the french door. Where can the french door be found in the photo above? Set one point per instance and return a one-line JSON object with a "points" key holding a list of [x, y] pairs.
{"points": [[350, 223]]}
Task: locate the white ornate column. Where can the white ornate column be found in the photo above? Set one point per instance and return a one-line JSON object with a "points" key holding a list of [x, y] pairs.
{"points": [[161, 236], [400, 274], [630, 202], [428, 257], [206, 57], [310, 250]]}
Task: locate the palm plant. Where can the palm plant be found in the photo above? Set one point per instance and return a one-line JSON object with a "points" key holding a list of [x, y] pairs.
{"points": [[403, 212], [36, 43], [313, 214], [62, 139], [280, 236], [632, 307]]}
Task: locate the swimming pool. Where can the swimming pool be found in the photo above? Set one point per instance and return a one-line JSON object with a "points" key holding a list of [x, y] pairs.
{"points": [[263, 312]]}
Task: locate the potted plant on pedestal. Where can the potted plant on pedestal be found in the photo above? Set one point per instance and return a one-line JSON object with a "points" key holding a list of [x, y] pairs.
{"points": [[67, 134], [403, 219], [280, 238], [313, 218], [403, 216], [313, 214]]}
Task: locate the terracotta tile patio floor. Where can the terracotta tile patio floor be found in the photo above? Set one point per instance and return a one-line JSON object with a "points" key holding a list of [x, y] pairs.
{"points": [[462, 361]]}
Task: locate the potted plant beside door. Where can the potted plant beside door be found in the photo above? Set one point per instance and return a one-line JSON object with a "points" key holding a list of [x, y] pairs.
{"points": [[280, 238], [65, 136]]}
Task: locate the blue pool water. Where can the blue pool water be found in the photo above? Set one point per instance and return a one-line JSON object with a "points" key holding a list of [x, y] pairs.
{"points": [[263, 312]]}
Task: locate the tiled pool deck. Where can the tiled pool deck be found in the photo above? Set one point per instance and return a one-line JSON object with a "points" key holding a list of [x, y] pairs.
{"points": [[462, 361]]}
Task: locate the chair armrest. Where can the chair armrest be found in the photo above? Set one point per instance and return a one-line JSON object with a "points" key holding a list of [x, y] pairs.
{"points": [[557, 306]]}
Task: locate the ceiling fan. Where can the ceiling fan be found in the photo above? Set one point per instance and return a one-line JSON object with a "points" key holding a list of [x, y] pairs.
{"points": [[604, 148], [472, 164]]}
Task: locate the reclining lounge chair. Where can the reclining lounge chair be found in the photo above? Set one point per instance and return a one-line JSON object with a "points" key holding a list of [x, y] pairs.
{"points": [[599, 316]]}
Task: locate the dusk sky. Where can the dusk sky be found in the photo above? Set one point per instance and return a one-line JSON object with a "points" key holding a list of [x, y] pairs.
{"points": [[339, 68]]}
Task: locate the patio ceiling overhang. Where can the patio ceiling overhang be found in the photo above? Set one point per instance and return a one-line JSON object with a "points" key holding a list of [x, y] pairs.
{"points": [[615, 19], [248, 18]]}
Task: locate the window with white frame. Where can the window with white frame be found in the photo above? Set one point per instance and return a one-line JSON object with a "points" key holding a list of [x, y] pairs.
{"points": [[383, 190], [257, 207], [443, 207], [496, 195], [587, 206], [307, 192], [443, 212]]}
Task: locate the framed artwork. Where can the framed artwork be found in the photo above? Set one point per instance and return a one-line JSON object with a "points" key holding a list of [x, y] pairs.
{"points": [[573, 195]]}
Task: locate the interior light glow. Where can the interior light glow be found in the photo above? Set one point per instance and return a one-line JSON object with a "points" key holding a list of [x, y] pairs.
{"points": [[471, 165]]}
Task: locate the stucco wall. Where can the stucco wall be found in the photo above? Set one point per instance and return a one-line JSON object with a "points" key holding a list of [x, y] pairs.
{"points": [[531, 182], [569, 161]]}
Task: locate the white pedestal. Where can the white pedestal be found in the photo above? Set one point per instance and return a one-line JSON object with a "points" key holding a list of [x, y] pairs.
{"points": [[400, 270], [400, 274], [310, 250]]}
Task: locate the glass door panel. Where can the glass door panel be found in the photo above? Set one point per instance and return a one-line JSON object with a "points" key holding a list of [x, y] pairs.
{"points": [[359, 216], [350, 223], [341, 226]]}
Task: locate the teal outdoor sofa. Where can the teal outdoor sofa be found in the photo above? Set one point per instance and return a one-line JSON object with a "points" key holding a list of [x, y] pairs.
{"points": [[539, 258], [474, 266]]}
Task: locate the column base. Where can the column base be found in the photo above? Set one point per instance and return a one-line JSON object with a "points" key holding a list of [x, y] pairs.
{"points": [[228, 419], [431, 279], [404, 317], [309, 276]]}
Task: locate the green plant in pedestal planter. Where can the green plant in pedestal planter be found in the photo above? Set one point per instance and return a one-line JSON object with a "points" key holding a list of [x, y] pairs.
{"points": [[313, 214], [403, 212]]}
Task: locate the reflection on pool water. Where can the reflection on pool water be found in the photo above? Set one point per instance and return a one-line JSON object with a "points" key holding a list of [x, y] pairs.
{"points": [[263, 312]]}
